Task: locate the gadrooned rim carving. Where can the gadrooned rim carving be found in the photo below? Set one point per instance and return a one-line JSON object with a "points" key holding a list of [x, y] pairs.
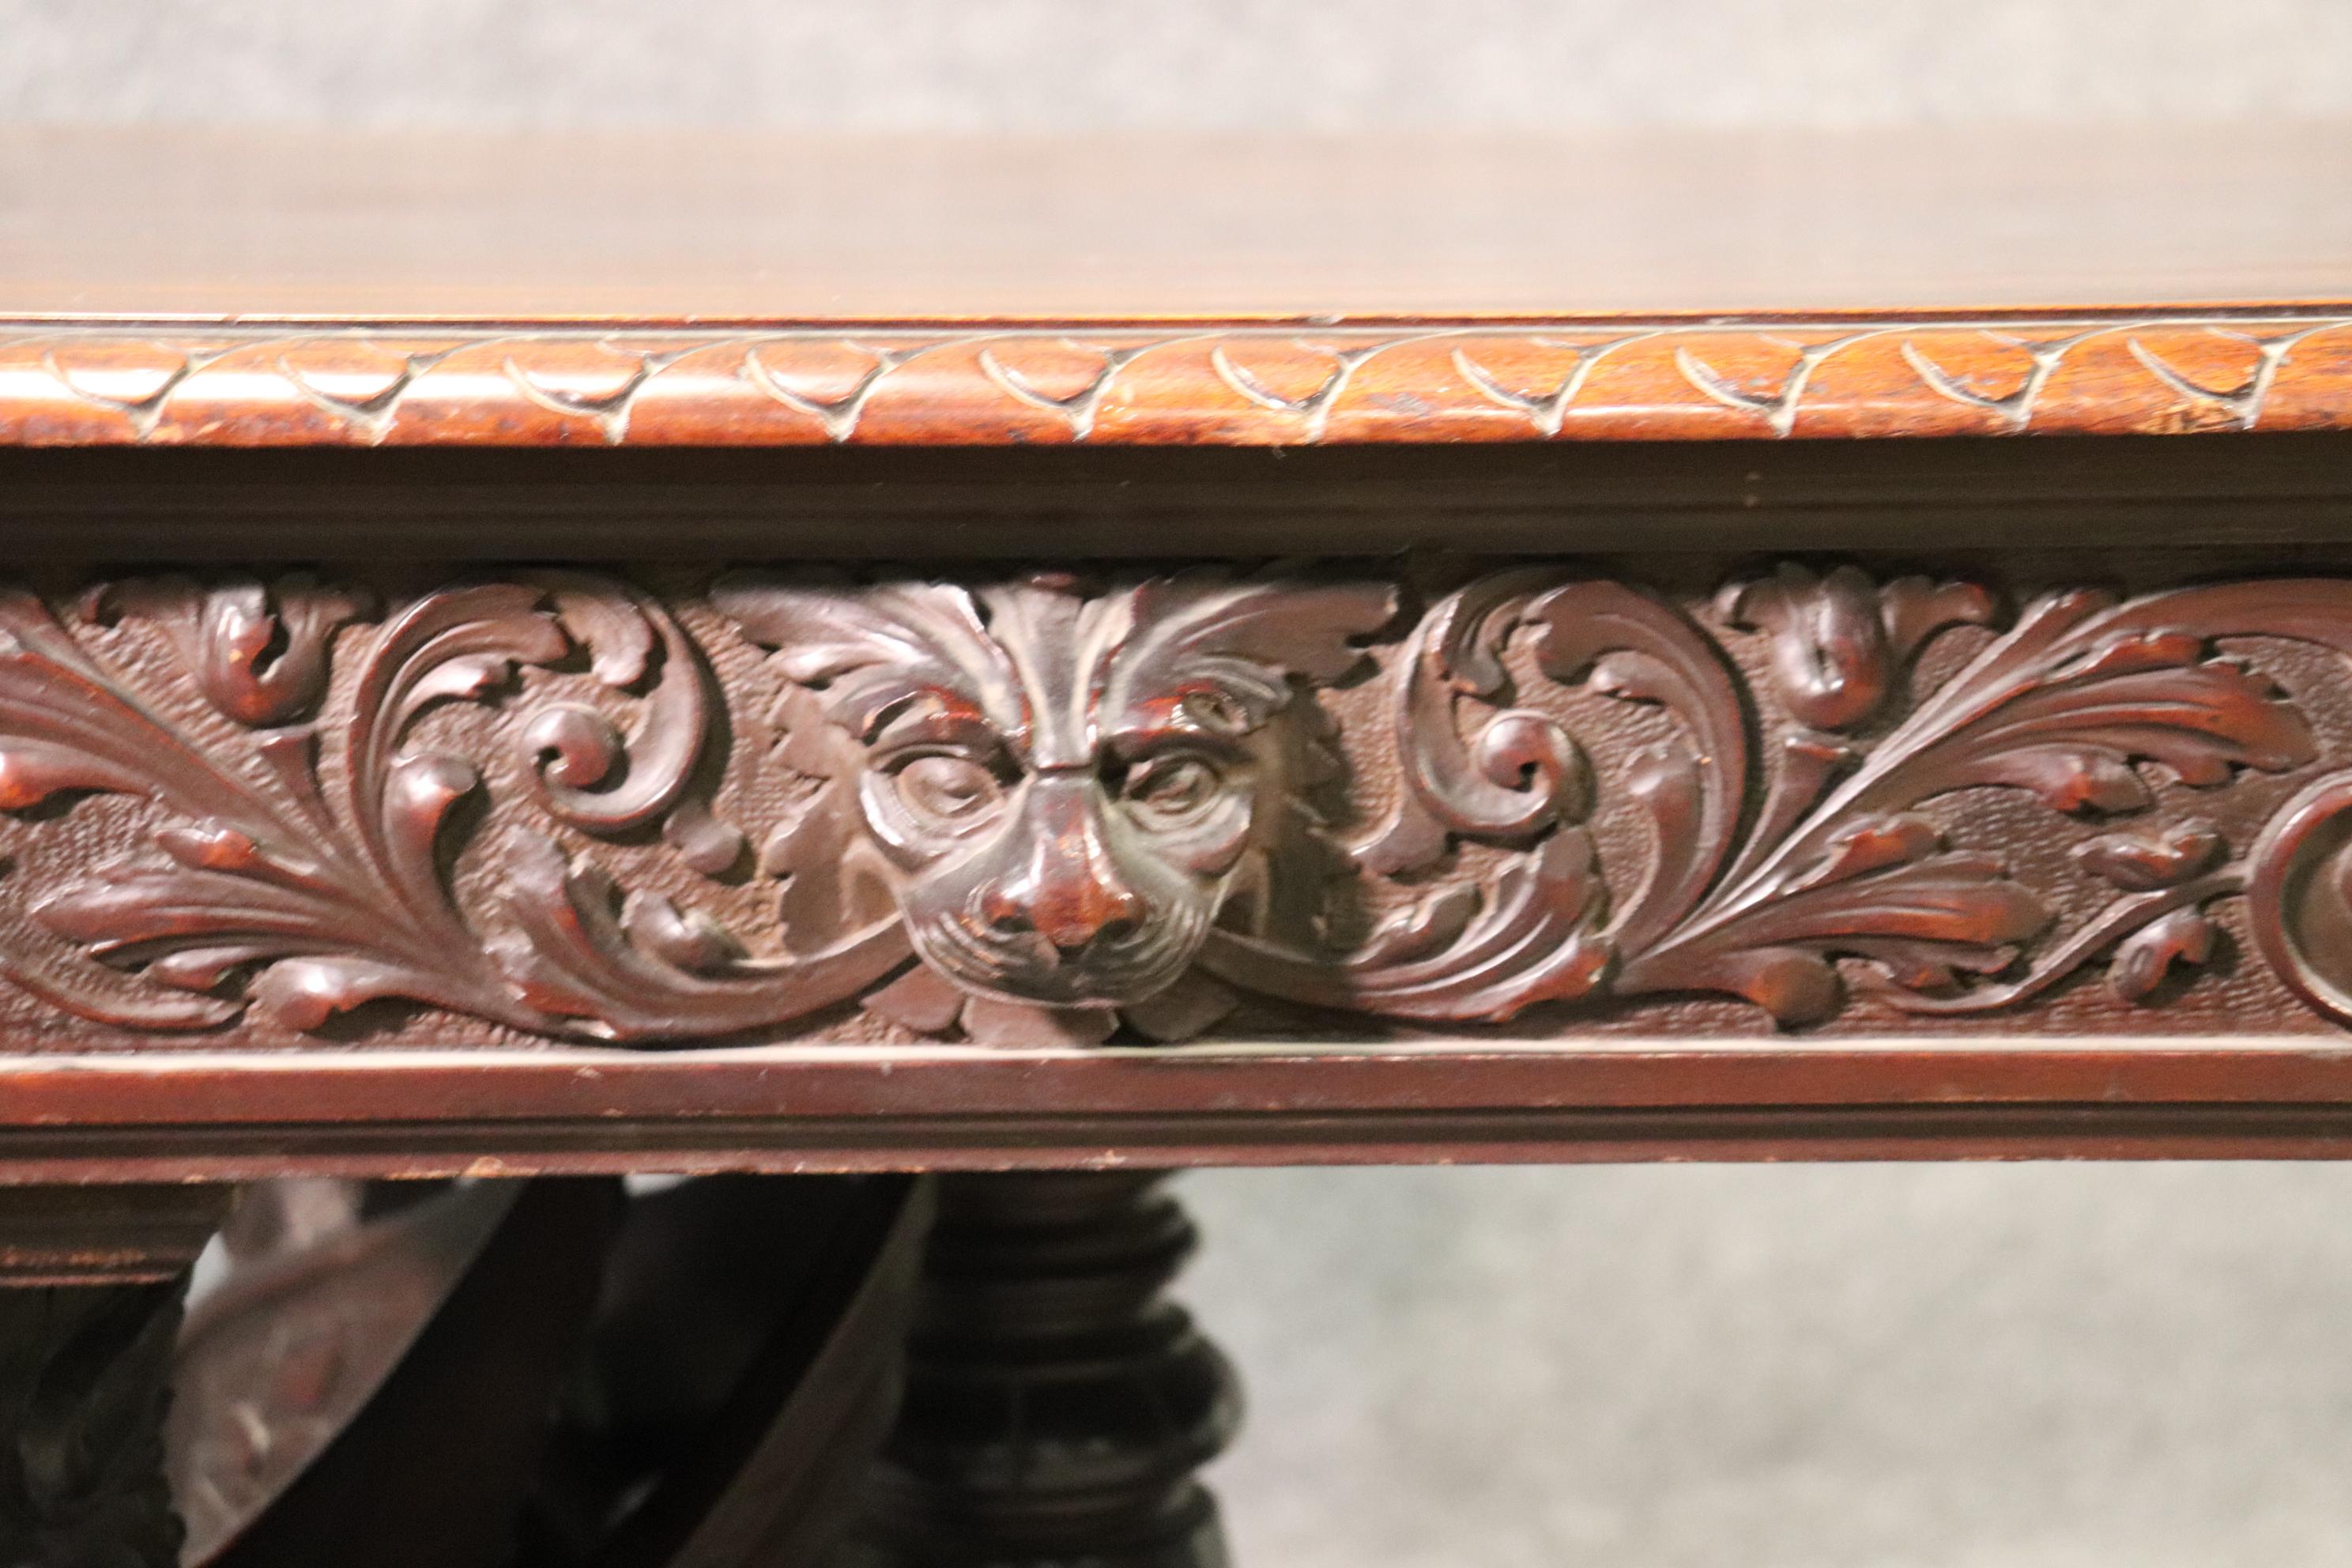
{"points": [[111, 382]]}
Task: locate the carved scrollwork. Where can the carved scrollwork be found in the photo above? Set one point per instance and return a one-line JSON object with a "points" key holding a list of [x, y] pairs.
{"points": [[2069, 707], [301, 884], [1041, 807]]}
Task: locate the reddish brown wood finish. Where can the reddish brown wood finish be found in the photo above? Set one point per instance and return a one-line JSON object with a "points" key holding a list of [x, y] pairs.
{"points": [[280, 834], [1936, 869], [133, 1235], [436, 1467], [93, 1280], [830, 1108], [1171, 383], [1021, 809], [1709, 858], [246, 288], [305, 1329]]}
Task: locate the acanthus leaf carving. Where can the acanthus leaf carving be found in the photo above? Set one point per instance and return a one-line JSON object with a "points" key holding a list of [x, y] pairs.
{"points": [[258, 653], [1527, 938], [1517, 776], [1045, 807], [2143, 860], [2184, 938], [590, 775], [329, 887], [1840, 641], [2065, 706]]}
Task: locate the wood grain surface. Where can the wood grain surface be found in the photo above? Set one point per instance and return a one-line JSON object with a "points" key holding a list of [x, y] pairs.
{"points": [[243, 289], [647, 226], [237, 1115], [92, 383]]}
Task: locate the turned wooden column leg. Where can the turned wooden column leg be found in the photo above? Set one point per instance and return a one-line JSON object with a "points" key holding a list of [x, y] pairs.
{"points": [[1056, 1404], [90, 1287]]}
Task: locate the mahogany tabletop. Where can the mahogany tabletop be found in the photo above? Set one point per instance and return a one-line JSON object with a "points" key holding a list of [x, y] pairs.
{"points": [[273, 288]]}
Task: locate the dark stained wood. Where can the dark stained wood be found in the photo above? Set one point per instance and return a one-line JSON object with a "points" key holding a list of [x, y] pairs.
{"points": [[1630, 756], [2216, 1060], [2256, 504], [83, 1388], [436, 1468], [1056, 1404], [830, 1108], [91, 1282], [1297, 804], [137, 1233], [1735, 857], [311, 1317], [771, 1470], [542, 1375], [2207, 1025]]}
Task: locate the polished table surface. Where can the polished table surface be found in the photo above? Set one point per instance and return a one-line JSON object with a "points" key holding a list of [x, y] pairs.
{"points": [[623, 227], [221, 288]]}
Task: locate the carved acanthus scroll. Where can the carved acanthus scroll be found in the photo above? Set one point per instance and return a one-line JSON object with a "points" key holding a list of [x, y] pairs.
{"points": [[1040, 807]]}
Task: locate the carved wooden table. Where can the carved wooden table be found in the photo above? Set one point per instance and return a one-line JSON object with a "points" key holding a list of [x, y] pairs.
{"points": [[1080, 709]]}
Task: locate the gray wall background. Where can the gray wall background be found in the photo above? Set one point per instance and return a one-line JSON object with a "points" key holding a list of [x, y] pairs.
{"points": [[1076, 65], [1963, 1367], [2025, 1366]]}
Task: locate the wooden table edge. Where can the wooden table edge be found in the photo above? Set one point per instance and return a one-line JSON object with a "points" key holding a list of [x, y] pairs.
{"points": [[1173, 380], [236, 1115]]}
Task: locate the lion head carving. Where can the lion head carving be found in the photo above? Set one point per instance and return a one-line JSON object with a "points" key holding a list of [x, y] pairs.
{"points": [[1062, 782]]}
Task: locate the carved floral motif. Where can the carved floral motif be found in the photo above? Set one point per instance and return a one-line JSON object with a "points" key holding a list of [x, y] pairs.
{"points": [[1043, 808]]}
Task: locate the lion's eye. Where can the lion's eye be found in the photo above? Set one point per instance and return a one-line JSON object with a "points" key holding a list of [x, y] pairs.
{"points": [[1173, 788], [944, 788]]}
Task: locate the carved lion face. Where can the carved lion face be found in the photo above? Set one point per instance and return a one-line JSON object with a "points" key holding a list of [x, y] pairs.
{"points": [[1063, 783]]}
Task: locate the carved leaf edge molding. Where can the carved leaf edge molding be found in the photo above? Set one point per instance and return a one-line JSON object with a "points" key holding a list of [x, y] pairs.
{"points": [[113, 383]]}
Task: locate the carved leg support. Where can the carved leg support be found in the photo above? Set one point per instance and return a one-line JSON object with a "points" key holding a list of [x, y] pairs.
{"points": [[1056, 1407], [84, 1378], [93, 1280]]}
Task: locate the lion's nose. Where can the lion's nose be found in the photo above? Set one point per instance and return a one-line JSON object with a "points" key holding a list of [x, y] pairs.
{"points": [[1069, 889], [1069, 906], [1090, 913]]}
